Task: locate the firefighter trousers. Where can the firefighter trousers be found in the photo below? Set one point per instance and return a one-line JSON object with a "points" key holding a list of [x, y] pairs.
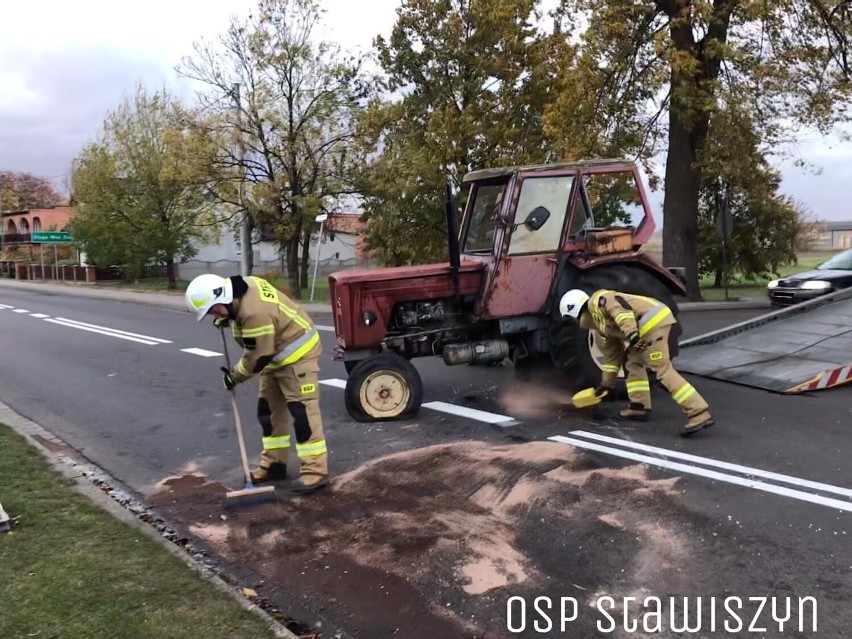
{"points": [[656, 359], [289, 398]]}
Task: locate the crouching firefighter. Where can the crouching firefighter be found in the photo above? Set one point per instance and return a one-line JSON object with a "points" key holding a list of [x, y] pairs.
{"points": [[645, 323], [281, 344]]}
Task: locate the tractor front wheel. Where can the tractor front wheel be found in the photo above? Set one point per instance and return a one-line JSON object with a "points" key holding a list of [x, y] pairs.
{"points": [[383, 387]]}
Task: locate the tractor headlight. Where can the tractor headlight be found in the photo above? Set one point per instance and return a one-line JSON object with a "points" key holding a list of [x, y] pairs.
{"points": [[816, 285], [773, 284], [369, 318]]}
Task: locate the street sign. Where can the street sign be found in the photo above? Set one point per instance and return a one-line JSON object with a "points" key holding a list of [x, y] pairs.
{"points": [[51, 237]]}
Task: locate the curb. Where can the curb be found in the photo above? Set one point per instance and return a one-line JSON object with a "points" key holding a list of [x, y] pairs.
{"points": [[723, 306], [172, 302], [107, 493]]}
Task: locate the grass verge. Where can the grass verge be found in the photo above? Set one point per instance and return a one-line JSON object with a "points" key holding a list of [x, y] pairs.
{"points": [[69, 569]]}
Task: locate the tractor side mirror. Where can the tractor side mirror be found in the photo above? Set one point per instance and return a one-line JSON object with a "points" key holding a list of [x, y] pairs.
{"points": [[536, 219]]}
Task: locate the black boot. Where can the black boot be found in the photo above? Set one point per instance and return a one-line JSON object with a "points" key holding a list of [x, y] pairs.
{"points": [[273, 472]]}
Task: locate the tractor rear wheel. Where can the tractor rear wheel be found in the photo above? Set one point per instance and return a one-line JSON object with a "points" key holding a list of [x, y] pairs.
{"points": [[574, 349], [383, 387]]}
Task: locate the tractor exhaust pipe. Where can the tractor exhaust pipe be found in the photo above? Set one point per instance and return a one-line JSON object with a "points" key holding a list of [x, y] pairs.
{"points": [[484, 352], [453, 242]]}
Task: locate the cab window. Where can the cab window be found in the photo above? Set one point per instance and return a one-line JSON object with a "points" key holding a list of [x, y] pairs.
{"points": [[553, 193]]}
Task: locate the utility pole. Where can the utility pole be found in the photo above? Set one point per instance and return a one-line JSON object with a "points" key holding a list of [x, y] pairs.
{"points": [[245, 224]]}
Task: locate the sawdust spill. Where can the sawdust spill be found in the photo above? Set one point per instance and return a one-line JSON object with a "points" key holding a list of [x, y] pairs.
{"points": [[531, 401], [450, 520]]}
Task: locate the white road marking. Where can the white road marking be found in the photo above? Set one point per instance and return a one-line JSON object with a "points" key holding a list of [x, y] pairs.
{"points": [[707, 461], [96, 330], [444, 407], [710, 474], [472, 413], [39, 315], [322, 327], [155, 340], [201, 352], [2, 306], [20, 310]]}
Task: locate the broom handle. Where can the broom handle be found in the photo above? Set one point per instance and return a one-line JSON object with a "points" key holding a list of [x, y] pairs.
{"points": [[236, 412]]}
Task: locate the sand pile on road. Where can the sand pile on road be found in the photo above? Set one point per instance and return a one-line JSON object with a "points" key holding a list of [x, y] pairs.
{"points": [[467, 518]]}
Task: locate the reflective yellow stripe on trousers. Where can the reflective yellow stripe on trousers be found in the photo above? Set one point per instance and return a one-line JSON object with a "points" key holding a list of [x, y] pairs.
{"points": [[683, 393], [274, 443], [311, 450]]}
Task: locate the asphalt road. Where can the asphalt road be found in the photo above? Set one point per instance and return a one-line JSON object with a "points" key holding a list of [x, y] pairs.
{"points": [[147, 405]]}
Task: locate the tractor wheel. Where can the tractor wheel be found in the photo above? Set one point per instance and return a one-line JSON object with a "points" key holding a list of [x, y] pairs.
{"points": [[383, 387], [574, 348], [350, 365]]}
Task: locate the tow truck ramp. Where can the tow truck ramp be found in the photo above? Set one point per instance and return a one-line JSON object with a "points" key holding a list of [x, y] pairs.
{"points": [[801, 348]]}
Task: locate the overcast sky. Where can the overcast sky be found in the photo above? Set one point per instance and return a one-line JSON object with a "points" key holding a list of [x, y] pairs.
{"points": [[63, 65]]}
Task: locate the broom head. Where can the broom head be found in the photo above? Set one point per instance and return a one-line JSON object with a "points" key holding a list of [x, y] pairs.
{"points": [[250, 496]]}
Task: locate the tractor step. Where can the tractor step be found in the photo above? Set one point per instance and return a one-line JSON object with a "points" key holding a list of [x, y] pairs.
{"points": [[797, 349]]}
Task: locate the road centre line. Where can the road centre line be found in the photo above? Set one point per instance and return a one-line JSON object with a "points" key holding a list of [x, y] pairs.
{"points": [[39, 315], [472, 413], [155, 340], [4, 306], [707, 461], [200, 352], [710, 474], [444, 407], [101, 332], [20, 310]]}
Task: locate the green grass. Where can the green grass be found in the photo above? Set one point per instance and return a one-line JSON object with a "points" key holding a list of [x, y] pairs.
{"points": [[69, 569], [757, 288]]}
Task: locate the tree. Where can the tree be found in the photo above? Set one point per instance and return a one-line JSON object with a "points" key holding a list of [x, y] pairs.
{"points": [[141, 187], [20, 191], [473, 79], [285, 149], [766, 225], [659, 70]]}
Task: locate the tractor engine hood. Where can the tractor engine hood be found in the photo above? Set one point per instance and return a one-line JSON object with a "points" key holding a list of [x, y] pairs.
{"points": [[363, 300]]}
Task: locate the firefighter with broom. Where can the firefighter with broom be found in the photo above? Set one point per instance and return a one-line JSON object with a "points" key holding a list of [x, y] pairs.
{"points": [[645, 323], [282, 345]]}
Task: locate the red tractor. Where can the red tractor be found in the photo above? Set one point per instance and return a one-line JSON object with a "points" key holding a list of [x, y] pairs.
{"points": [[528, 234]]}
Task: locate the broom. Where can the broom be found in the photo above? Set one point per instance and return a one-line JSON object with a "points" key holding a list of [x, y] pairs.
{"points": [[250, 495]]}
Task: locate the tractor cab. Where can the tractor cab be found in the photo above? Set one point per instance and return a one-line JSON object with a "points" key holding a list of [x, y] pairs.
{"points": [[522, 221]]}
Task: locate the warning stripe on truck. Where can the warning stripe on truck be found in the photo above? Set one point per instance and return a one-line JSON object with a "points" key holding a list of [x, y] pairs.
{"points": [[826, 379]]}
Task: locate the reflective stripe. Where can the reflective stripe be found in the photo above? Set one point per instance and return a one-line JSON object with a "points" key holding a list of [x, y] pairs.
{"points": [[267, 329], [624, 316], [611, 368], [653, 317], [293, 315], [311, 450], [684, 393], [639, 385], [275, 443], [297, 349], [241, 369]]}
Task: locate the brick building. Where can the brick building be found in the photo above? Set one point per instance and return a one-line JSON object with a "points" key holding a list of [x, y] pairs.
{"points": [[19, 225]]}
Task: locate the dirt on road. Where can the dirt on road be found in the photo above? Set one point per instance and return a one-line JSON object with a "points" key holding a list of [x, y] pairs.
{"points": [[432, 542]]}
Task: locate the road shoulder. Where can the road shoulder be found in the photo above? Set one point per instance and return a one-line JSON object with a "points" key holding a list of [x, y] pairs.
{"points": [[107, 494]]}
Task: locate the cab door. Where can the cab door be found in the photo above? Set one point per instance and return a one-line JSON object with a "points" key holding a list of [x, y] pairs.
{"points": [[520, 281]]}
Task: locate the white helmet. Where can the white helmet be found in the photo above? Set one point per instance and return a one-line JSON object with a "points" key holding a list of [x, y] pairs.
{"points": [[572, 303], [205, 291]]}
